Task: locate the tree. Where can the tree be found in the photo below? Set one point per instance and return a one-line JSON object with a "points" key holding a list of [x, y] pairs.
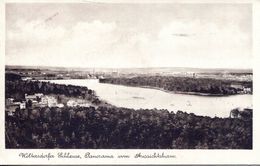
{"points": [[29, 103]]}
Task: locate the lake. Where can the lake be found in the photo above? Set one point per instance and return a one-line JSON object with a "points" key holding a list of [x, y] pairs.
{"points": [[135, 97]]}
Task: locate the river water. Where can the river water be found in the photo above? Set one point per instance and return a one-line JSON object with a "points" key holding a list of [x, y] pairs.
{"points": [[135, 97]]}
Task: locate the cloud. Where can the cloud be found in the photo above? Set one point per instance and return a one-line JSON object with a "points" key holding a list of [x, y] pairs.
{"points": [[35, 31], [88, 44], [202, 44], [106, 44]]}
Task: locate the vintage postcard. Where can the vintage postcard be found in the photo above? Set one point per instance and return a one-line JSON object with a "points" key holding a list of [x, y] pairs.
{"points": [[129, 82]]}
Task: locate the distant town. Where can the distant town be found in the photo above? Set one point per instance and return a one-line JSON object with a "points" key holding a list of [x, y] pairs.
{"points": [[42, 73]]}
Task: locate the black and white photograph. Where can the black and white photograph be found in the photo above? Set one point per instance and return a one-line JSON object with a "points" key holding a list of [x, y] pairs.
{"points": [[96, 75]]}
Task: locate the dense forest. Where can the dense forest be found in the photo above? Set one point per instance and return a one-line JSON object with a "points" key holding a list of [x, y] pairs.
{"points": [[113, 127], [185, 84]]}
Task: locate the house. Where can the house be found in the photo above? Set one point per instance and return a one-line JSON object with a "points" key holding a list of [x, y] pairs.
{"points": [[72, 103], [34, 103], [44, 100], [9, 101], [11, 105], [75, 103], [39, 95], [52, 102], [237, 86], [84, 105], [36, 97], [29, 97], [40, 100], [26, 78], [247, 90], [10, 109], [60, 105], [40, 104], [22, 105]]}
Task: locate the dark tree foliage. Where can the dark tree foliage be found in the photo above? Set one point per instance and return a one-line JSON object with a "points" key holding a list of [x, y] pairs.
{"points": [[120, 128], [12, 76], [183, 84]]}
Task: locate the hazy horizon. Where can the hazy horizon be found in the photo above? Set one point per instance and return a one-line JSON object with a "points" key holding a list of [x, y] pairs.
{"points": [[26, 66], [134, 35]]}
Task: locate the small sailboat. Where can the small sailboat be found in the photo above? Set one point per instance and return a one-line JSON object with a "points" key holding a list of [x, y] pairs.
{"points": [[188, 103]]}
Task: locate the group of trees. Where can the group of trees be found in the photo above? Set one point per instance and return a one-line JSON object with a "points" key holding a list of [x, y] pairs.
{"points": [[17, 88], [116, 128], [241, 113], [183, 84]]}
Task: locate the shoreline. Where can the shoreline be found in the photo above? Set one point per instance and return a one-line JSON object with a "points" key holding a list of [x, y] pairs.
{"points": [[167, 91], [106, 103], [186, 93], [180, 92]]}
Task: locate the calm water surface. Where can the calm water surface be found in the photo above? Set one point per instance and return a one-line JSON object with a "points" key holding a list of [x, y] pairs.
{"points": [[134, 97]]}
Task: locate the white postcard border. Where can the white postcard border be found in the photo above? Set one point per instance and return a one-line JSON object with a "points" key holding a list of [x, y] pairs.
{"points": [[13, 156]]}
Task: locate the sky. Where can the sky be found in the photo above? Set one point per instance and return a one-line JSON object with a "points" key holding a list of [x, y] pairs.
{"points": [[129, 35]]}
